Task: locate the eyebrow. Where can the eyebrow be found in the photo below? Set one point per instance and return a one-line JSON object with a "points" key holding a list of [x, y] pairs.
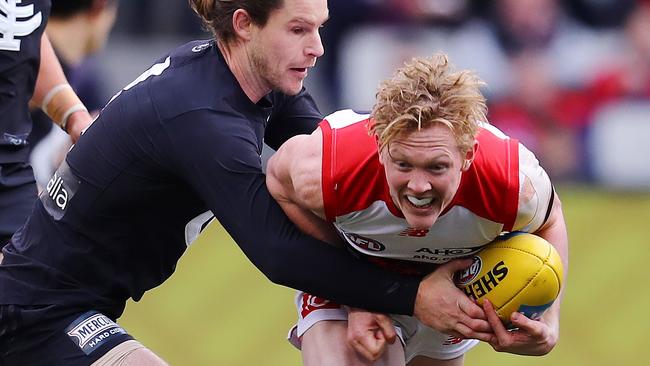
{"points": [[305, 20]]}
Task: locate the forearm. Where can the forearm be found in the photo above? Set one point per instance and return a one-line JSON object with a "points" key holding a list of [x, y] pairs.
{"points": [[290, 258], [54, 95], [554, 231], [226, 173]]}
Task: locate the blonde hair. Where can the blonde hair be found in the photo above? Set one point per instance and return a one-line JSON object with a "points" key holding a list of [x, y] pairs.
{"points": [[426, 91]]}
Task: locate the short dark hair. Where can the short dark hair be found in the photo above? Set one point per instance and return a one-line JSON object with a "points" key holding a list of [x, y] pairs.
{"points": [[67, 8], [217, 14]]}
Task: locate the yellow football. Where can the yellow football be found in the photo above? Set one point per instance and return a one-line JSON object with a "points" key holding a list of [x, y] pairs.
{"points": [[517, 272]]}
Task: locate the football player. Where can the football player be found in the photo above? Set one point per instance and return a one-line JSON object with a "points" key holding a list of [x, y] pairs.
{"points": [[420, 182], [185, 137], [23, 47]]}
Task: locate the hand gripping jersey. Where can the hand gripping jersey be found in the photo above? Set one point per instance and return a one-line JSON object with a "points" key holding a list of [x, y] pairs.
{"points": [[357, 200]]}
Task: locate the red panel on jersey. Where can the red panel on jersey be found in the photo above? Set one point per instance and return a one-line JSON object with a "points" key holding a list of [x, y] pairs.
{"points": [[353, 177], [490, 188]]}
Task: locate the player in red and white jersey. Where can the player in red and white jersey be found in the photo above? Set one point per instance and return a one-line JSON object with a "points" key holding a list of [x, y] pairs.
{"points": [[419, 183]]}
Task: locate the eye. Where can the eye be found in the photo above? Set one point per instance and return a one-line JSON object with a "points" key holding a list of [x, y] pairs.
{"points": [[402, 165], [438, 168], [297, 30]]}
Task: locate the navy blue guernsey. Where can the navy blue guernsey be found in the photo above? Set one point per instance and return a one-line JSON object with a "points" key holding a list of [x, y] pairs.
{"points": [[20, 50], [180, 140]]}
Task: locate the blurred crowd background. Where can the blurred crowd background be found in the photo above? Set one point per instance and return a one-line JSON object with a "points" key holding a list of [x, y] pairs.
{"points": [[569, 78]]}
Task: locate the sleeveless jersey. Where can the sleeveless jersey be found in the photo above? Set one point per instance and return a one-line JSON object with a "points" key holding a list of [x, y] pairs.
{"points": [[357, 201]]}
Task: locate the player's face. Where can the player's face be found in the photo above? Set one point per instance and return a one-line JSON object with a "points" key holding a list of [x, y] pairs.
{"points": [[423, 170], [289, 44]]}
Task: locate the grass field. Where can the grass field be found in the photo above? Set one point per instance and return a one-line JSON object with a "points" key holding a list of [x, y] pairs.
{"points": [[217, 309]]}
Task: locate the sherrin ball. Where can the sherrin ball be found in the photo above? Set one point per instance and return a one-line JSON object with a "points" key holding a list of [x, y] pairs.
{"points": [[517, 272]]}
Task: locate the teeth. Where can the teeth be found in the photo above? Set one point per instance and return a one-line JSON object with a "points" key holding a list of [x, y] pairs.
{"points": [[419, 201]]}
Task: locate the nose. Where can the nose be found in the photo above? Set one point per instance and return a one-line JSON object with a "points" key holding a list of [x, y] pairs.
{"points": [[315, 47], [419, 183]]}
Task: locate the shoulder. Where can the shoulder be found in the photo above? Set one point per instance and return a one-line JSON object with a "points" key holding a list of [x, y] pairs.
{"points": [[353, 177], [490, 187], [294, 171], [506, 182], [299, 158], [535, 192], [346, 118], [192, 76]]}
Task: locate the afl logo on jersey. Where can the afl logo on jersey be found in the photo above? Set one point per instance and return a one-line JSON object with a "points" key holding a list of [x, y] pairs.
{"points": [[364, 243], [59, 191], [17, 21], [469, 274]]}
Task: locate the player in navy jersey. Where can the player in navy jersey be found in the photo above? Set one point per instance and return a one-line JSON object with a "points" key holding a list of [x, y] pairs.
{"points": [[183, 138], [78, 30], [29, 70], [420, 182]]}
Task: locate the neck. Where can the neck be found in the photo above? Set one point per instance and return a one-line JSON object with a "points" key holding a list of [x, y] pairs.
{"points": [[70, 38], [239, 62]]}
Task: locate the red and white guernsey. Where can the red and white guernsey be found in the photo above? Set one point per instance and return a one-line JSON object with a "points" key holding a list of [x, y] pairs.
{"points": [[357, 201]]}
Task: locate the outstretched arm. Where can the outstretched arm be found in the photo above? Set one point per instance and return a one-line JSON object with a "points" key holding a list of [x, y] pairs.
{"points": [[55, 96], [223, 166]]}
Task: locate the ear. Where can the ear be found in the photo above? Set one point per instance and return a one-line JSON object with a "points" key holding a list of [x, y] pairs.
{"points": [[380, 151], [242, 24], [469, 156]]}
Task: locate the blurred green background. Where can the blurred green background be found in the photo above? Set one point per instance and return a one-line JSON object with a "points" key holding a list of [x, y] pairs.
{"points": [[217, 309]]}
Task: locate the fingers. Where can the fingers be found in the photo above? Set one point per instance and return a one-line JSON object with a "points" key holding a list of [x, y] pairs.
{"points": [[456, 265], [495, 322], [385, 325], [368, 333], [531, 327], [370, 346], [465, 332], [470, 308]]}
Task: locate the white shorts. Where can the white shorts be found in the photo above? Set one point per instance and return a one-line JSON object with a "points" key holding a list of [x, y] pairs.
{"points": [[417, 338]]}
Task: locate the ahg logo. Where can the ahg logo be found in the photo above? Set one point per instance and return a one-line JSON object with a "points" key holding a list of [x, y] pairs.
{"points": [[57, 192], [11, 26]]}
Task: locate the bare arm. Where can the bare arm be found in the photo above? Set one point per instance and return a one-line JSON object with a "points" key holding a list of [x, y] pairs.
{"points": [[293, 178], [536, 337], [61, 103], [555, 232]]}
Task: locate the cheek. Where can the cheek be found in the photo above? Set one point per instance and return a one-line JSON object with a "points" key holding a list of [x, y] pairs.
{"points": [[447, 184], [396, 181], [279, 51]]}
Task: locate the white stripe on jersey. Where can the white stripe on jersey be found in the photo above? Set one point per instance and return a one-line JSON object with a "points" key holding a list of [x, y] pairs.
{"points": [[344, 118]]}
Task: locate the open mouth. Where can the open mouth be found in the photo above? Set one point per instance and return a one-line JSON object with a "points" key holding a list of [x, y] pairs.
{"points": [[300, 70], [420, 203]]}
